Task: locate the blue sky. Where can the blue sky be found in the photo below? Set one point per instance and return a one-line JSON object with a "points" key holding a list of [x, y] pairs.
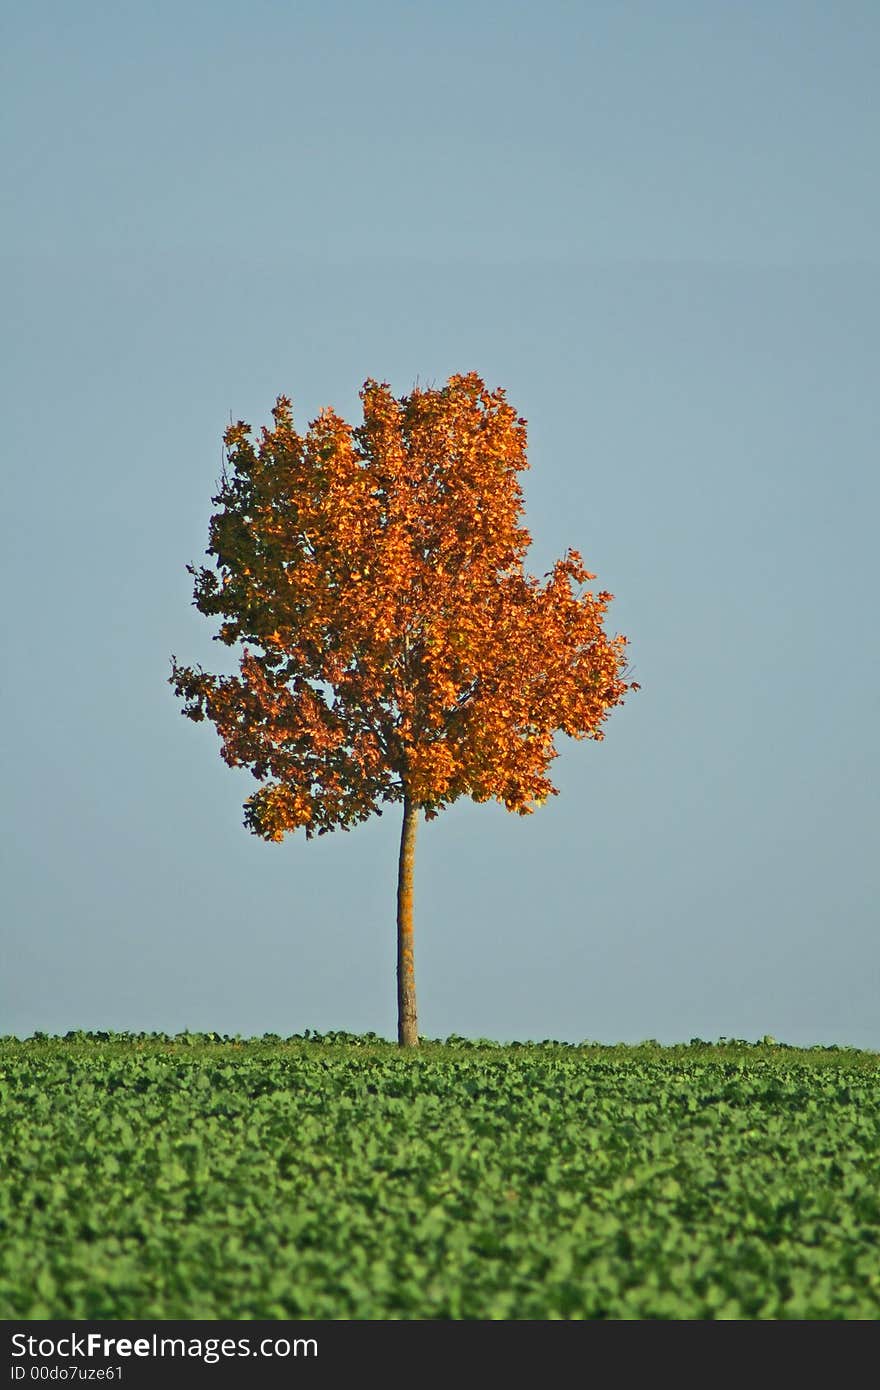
{"points": [[656, 227]]}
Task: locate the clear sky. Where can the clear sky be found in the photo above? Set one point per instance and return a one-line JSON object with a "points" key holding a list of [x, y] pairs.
{"points": [[656, 225]]}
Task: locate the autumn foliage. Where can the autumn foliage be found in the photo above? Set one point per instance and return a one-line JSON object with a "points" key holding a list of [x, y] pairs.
{"points": [[394, 648]]}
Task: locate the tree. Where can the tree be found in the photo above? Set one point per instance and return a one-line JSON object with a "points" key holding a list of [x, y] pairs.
{"points": [[394, 649]]}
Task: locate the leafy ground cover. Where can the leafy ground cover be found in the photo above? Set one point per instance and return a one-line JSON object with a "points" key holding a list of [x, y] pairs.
{"points": [[143, 1176]]}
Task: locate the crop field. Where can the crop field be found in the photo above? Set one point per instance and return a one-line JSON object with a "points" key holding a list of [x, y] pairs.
{"points": [[334, 1177]]}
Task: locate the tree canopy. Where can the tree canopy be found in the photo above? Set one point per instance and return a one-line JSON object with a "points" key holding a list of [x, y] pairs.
{"points": [[393, 645]]}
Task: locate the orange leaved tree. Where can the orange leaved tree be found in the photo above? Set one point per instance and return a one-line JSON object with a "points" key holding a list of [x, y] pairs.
{"points": [[394, 649]]}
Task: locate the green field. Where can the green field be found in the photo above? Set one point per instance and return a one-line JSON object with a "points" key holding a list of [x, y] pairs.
{"points": [[196, 1177]]}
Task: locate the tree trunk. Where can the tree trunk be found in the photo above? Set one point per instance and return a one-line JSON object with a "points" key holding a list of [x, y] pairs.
{"points": [[407, 1023]]}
